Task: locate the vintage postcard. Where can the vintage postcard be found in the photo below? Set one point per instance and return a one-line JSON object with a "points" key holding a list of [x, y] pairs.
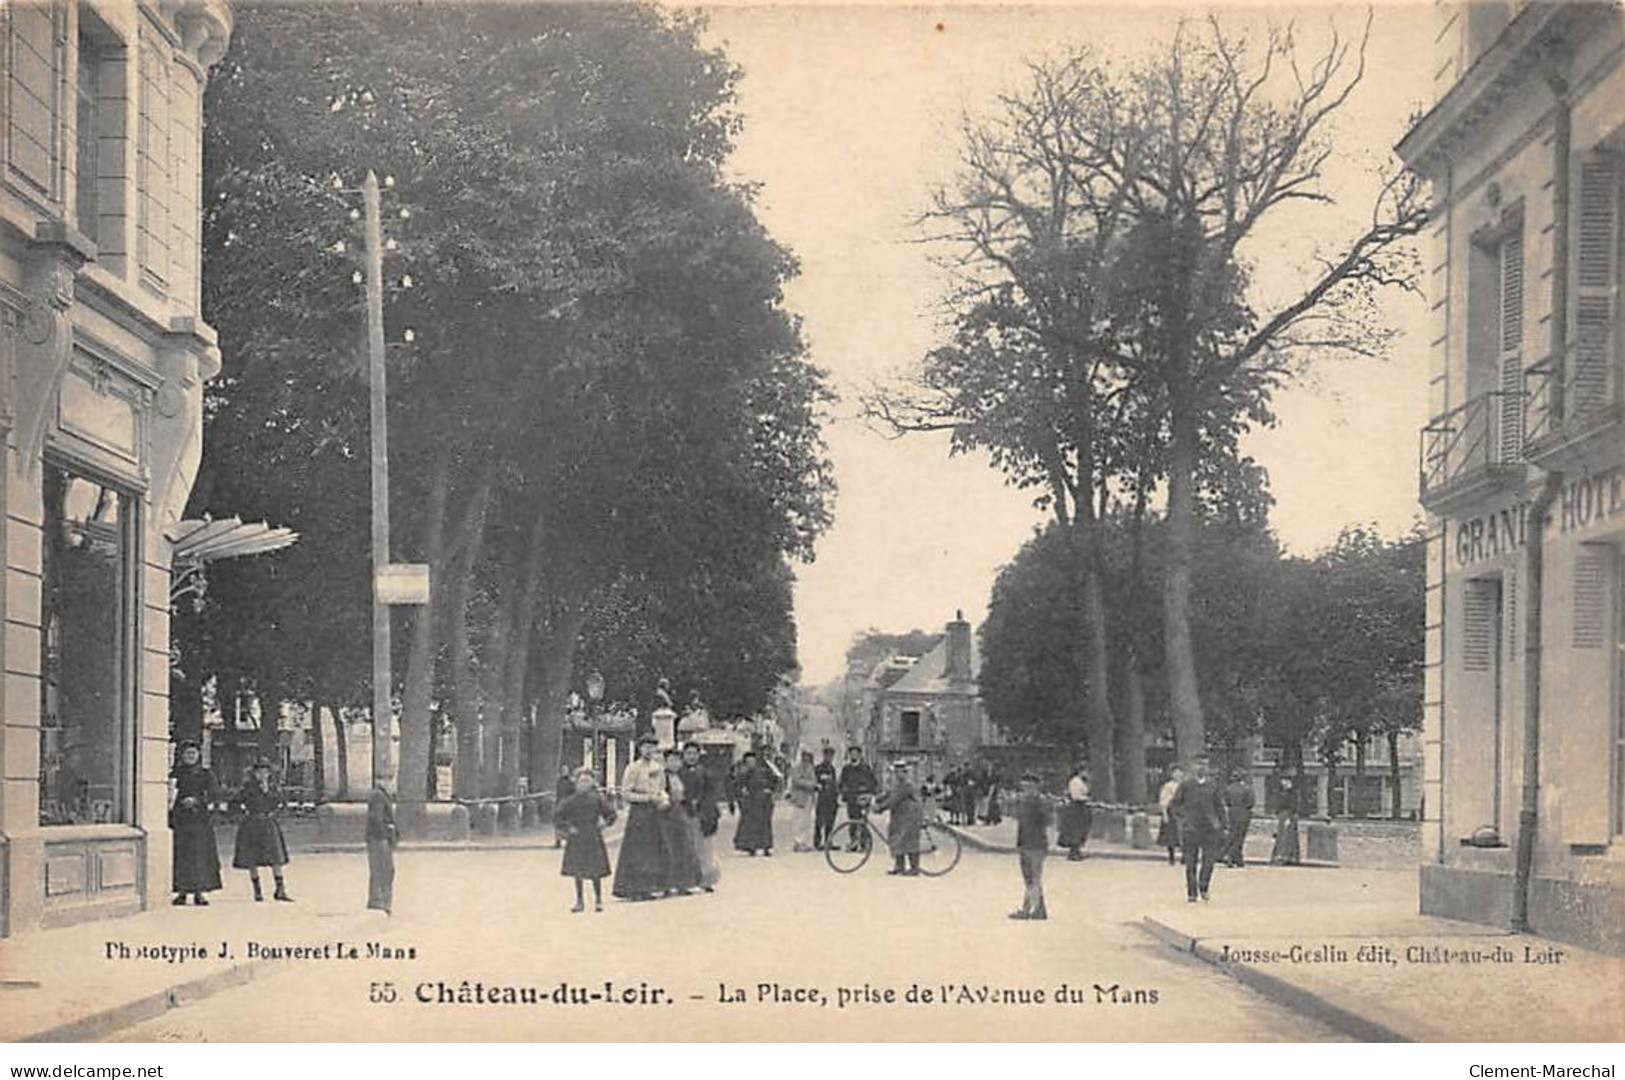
{"points": [[964, 522]]}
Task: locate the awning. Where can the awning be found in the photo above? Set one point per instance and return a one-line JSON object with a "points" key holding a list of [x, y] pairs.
{"points": [[203, 540]]}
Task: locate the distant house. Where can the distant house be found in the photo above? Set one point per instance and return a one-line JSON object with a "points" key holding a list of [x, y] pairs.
{"points": [[929, 709]]}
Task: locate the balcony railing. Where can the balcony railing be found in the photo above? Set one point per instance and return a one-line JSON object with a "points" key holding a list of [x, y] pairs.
{"points": [[1476, 440], [1571, 394]]}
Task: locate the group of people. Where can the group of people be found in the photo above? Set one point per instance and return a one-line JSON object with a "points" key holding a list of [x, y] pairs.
{"points": [[1209, 823], [972, 794], [195, 866]]}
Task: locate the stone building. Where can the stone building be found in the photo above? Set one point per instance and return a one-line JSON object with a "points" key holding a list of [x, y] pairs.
{"points": [[929, 710], [104, 356], [1523, 468]]}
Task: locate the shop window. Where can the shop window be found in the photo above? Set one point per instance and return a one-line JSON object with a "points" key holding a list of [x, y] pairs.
{"points": [[85, 707]]}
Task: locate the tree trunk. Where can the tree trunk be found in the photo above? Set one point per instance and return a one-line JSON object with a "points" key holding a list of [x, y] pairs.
{"points": [[419, 683], [557, 660], [464, 702], [518, 657], [1132, 745], [267, 741], [499, 642], [318, 752], [341, 741], [1099, 723], [1184, 700], [1393, 771]]}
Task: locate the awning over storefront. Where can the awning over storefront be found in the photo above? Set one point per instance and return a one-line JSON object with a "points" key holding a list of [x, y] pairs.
{"points": [[199, 541]]}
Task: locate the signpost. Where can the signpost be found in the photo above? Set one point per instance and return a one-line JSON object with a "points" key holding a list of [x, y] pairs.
{"points": [[402, 584]]}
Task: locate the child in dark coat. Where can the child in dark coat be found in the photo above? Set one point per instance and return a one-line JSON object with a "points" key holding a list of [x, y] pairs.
{"points": [[581, 819], [1034, 816]]}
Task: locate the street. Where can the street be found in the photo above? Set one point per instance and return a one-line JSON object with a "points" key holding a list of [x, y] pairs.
{"points": [[799, 952]]}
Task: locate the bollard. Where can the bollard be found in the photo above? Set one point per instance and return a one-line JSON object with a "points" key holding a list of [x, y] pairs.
{"points": [[1320, 842], [508, 815], [484, 819], [1139, 830]]}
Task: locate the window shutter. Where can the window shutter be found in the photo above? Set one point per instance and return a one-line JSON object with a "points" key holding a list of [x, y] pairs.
{"points": [[1590, 600], [1478, 625], [1597, 280], [1510, 444]]}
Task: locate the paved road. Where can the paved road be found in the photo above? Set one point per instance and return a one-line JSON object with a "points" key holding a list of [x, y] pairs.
{"points": [[785, 928]]}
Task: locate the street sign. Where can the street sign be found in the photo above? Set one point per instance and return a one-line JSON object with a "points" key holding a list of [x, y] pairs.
{"points": [[400, 584]]}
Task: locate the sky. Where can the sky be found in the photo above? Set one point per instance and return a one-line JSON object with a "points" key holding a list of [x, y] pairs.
{"points": [[850, 118]]}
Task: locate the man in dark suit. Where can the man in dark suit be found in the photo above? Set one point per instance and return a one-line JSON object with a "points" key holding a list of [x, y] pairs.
{"points": [[857, 784], [829, 797], [1238, 802], [1198, 806]]}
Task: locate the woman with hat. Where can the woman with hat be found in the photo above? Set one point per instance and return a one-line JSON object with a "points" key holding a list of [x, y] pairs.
{"points": [[640, 869], [196, 865], [259, 837], [757, 783]]}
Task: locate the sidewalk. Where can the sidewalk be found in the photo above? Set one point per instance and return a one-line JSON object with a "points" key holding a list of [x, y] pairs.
{"points": [[1001, 839], [1347, 947], [81, 983]]}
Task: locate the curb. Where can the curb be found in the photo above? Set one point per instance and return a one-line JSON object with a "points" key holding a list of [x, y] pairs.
{"points": [[99, 1025], [971, 840], [1277, 989]]}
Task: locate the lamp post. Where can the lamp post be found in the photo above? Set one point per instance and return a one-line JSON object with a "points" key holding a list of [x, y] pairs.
{"points": [[595, 694]]}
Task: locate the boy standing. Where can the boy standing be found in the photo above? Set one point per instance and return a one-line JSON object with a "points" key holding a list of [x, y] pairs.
{"points": [[1034, 816]]}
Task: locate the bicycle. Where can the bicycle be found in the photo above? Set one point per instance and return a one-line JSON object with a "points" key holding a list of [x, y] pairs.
{"points": [[850, 844]]}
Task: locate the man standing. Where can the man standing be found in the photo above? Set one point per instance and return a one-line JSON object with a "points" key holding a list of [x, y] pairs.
{"points": [[857, 785], [829, 797], [1198, 806], [1033, 818], [907, 818], [1238, 803]]}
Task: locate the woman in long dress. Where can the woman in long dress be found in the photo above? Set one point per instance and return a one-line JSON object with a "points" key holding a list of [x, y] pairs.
{"points": [[1285, 852], [1076, 816], [682, 857], [640, 870], [259, 837], [701, 794], [756, 786], [1168, 831], [196, 866]]}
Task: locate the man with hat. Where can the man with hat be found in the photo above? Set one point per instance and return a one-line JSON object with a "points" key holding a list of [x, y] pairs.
{"points": [[1198, 806], [907, 819], [857, 786], [828, 798], [1238, 803]]}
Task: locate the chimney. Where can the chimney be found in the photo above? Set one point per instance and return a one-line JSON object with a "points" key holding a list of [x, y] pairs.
{"points": [[958, 669]]}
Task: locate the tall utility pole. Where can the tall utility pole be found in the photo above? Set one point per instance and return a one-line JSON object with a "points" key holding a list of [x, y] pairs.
{"points": [[383, 712]]}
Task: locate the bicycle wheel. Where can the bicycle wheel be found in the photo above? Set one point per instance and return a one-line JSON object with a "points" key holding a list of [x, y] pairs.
{"points": [[939, 849], [849, 847]]}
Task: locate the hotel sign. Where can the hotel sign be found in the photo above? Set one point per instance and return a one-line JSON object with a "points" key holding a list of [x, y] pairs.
{"points": [[1585, 501]]}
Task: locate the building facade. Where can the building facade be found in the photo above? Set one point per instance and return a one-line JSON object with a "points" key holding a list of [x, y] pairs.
{"points": [[103, 353], [929, 710], [1523, 468]]}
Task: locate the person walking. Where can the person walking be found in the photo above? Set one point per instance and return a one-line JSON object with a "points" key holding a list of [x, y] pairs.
{"points": [[259, 837], [677, 833], [1285, 851], [563, 788], [803, 795], [1076, 815], [858, 786], [757, 783], [701, 794], [902, 802], [826, 799], [382, 836], [1199, 807], [1034, 816], [1238, 804], [581, 818], [195, 868], [640, 869], [995, 799], [1168, 831]]}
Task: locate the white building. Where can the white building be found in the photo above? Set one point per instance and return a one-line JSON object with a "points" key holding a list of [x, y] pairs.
{"points": [[103, 355], [1523, 151]]}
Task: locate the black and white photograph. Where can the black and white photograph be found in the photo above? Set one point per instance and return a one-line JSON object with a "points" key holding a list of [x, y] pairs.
{"points": [[762, 521]]}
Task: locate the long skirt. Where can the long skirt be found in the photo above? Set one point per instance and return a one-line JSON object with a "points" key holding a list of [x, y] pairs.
{"points": [[585, 855], [1285, 852], [755, 831], [259, 843], [1073, 830], [380, 875], [640, 870], [682, 859], [1168, 833], [195, 867], [705, 849]]}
